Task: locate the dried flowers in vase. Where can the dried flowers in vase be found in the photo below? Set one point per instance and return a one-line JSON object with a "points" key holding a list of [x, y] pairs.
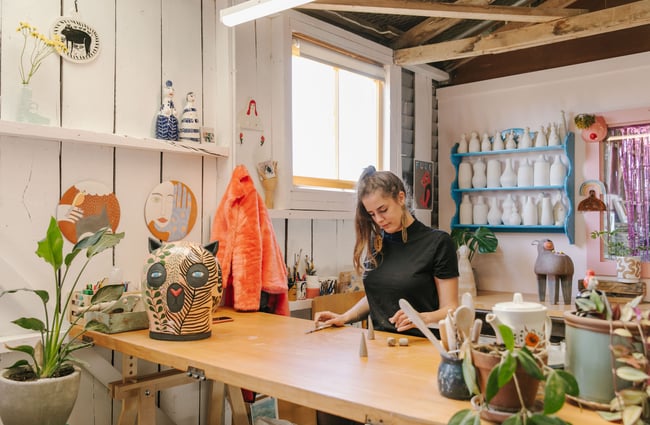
{"points": [[42, 48]]}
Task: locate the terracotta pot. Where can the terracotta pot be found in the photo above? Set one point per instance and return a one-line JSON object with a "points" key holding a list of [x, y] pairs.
{"points": [[46, 401], [589, 358], [506, 399]]}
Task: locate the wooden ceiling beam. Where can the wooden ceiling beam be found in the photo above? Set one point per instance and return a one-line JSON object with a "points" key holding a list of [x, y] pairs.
{"points": [[589, 24], [429, 28], [443, 10]]}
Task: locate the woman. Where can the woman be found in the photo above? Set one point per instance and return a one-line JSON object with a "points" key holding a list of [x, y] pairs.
{"points": [[399, 257]]}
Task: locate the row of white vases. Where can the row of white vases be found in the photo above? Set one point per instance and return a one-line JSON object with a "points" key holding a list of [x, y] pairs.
{"points": [[480, 174], [543, 137], [527, 211]]}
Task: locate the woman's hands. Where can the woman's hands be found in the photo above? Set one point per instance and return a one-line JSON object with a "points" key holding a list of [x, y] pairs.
{"points": [[329, 318], [401, 321]]}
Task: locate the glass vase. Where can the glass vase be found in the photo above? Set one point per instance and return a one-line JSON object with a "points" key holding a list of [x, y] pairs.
{"points": [[27, 108]]}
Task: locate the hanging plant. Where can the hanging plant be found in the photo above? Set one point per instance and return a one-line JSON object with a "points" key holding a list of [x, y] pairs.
{"points": [[584, 121]]}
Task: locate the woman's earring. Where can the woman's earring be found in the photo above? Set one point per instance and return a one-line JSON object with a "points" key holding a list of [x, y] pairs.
{"points": [[403, 220]]}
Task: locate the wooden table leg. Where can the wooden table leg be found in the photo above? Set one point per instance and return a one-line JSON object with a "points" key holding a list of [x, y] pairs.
{"points": [[239, 412], [139, 394], [217, 405]]}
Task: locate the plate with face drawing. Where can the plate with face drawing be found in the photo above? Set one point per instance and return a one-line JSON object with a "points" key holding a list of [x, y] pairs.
{"points": [[170, 211], [85, 208]]}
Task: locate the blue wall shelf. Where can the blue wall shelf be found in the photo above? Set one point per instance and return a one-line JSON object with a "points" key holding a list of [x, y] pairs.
{"points": [[567, 189]]}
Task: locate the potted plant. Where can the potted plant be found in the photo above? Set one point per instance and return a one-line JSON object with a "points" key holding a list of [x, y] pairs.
{"points": [[24, 382], [482, 240], [628, 264], [615, 384], [468, 242], [594, 127], [629, 347], [506, 377]]}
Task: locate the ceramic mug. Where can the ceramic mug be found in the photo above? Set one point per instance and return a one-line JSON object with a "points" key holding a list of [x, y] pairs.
{"points": [[301, 290]]}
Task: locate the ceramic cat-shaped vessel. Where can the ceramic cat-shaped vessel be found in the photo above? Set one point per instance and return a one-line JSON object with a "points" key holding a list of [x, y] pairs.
{"points": [[182, 285]]}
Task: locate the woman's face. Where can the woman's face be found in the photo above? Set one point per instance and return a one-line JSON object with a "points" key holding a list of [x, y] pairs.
{"points": [[384, 210]]}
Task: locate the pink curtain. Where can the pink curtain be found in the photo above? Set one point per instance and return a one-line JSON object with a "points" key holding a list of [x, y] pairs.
{"points": [[635, 169]]}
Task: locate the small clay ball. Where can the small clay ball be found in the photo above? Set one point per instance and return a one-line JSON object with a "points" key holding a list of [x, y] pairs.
{"points": [[403, 342], [391, 341]]}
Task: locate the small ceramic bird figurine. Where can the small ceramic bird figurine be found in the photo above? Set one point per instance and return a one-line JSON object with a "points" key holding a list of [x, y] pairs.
{"points": [[590, 282]]}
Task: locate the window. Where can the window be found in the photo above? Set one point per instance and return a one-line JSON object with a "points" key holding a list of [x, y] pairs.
{"points": [[337, 118]]}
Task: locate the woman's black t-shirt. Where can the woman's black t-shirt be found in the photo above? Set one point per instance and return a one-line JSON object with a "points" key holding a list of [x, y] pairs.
{"points": [[407, 270]]}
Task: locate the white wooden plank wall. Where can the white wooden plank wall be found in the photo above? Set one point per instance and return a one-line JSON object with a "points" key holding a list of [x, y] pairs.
{"points": [[143, 43]]}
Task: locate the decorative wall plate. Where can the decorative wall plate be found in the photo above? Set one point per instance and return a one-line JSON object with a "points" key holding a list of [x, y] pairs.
{"points": [[170, 211], [80, 38], [85, 208]]}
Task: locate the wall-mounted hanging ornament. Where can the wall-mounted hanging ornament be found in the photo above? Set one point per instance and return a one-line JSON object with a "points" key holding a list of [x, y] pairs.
{"points": [[81, 40], [170, 211], [267, 172], [190, 127], [594, 189], [85, 208], [249, 119]]}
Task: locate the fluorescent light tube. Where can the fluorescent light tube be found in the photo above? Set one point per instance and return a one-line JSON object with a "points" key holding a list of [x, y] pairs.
{"points": [[254, 9]]}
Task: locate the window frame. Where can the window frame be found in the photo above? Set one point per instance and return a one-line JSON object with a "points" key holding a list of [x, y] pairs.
{"points": [[290, 196], [339, 59]]}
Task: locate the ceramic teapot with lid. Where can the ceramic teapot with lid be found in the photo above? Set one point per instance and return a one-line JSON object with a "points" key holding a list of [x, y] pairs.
{"points": [[528, 320]]}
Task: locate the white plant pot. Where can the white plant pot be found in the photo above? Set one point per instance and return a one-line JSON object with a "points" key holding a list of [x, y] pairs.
{"points": [[46, 401]]}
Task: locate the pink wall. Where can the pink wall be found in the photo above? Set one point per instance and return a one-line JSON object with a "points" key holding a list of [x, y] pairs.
{"points": [[532, 100]]}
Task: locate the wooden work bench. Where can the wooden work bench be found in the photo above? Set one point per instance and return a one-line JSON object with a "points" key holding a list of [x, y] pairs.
{"points": [[273, 355]]}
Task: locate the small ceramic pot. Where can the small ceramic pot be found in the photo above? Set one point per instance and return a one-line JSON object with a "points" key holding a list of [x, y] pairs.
{"points": [[628, 269], [450, 379]]}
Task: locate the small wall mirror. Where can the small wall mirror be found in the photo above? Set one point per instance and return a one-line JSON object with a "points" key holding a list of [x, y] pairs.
{"points": [[626, 174]]}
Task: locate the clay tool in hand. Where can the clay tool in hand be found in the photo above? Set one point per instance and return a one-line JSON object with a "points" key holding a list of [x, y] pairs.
{"points": [[417, 321], [318, 328]]}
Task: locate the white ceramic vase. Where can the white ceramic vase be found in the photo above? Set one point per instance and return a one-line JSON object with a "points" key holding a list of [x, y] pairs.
{"points": [[466, 282], [507, 206], [462, 144], [557, 172], [540, 138], [515, 218], [497, 142], [508, 177], [546, 218], [494, 213], [486, 146], [465, 175], [493, 173], [525, 140], [480, 211], [559, 211], [465, 214], [525, 174], [479, 177], [474, 143], [541, 172], [553, 136], [529, 216]]}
